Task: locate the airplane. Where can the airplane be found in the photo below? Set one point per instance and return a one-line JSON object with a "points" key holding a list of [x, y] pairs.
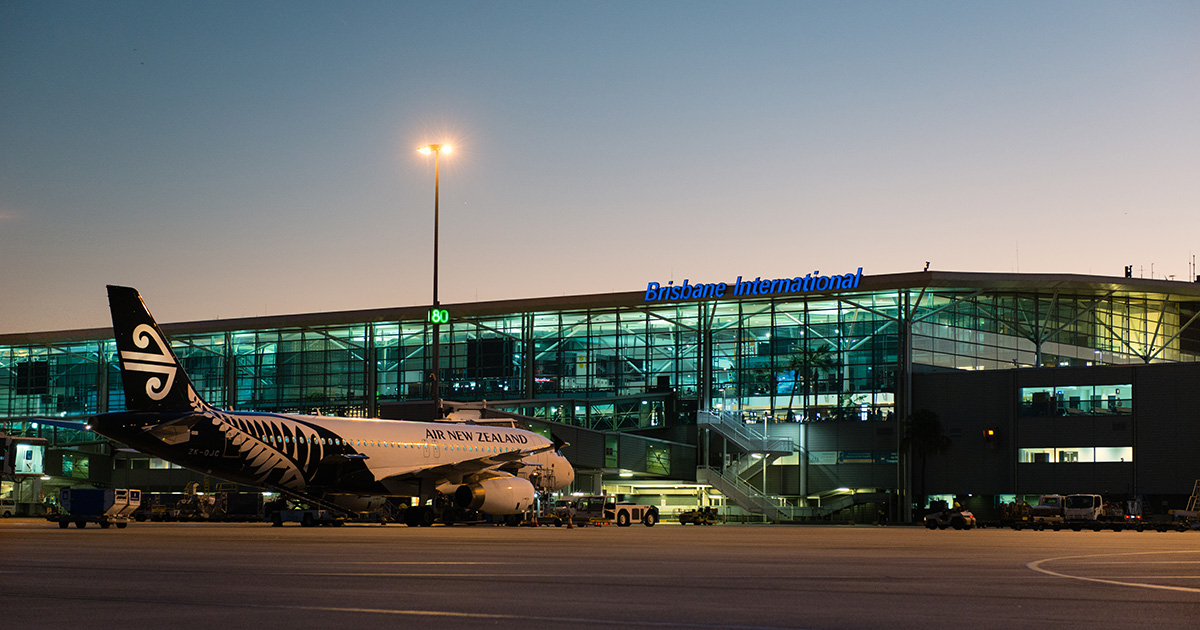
{"points": [[338, 463]]}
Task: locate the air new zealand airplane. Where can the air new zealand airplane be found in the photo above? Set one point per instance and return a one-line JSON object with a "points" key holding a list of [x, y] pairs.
{"points": [[324, 460]]}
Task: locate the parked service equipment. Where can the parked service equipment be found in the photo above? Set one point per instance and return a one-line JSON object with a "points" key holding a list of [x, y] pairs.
{"points": [[956, 518], [702, 516], [95, 505], [626, 514]]}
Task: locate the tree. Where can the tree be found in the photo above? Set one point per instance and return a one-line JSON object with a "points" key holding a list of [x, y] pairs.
{"points": [[923, 438], [806, 365]]}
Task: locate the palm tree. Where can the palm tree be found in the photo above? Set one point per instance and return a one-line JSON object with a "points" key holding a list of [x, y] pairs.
{"points": [[923, 437], [806, 364]]}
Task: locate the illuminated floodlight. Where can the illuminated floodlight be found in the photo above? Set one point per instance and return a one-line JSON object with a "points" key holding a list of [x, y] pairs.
{"points": [[431, 148]]}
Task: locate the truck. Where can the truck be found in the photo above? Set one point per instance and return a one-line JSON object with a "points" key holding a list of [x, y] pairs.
{"points": [[1092, 512], [104, 507], [1086, 511]]}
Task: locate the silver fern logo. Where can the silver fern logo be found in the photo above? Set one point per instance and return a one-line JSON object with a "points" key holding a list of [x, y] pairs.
{"points": [[161, 364]]}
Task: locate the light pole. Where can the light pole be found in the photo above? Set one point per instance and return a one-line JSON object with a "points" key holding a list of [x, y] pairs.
{"points": [[436, 150]]}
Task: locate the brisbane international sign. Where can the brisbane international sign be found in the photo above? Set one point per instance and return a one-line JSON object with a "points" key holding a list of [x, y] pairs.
{"points": [[808, 283]]}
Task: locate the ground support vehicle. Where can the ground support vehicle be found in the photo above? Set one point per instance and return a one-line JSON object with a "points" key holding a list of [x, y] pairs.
{"points": [[307, 517], [956, 518], [283, 511], [1078, 512], [626, 514], [1089, 511], [104, 507], [601, 510], [1047, 513], [580, 511], [702, 516]]}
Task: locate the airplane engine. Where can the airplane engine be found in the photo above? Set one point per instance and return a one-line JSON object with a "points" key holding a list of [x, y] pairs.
{"points": [[498, 495]]}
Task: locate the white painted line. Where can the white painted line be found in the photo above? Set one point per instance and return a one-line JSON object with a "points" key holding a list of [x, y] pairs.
{"points": [[1037, 566], [579, 621]]}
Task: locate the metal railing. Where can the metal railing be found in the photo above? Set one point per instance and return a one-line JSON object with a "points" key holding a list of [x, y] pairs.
{"points": [[773, 507], [732, 428], [742, 493]]}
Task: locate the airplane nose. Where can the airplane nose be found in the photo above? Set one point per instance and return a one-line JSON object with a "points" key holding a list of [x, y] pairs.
{"points": [[568, 472]]}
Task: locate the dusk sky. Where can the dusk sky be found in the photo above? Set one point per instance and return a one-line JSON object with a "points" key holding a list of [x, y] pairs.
{"points": [[235, 159]]}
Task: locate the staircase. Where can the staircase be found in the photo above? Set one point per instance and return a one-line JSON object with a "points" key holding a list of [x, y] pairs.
{"points": [[771, 507], [742, 493], [752, 440], [731, 427]]}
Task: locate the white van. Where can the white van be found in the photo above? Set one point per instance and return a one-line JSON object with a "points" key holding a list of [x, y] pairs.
{"points": [[8, 507]]}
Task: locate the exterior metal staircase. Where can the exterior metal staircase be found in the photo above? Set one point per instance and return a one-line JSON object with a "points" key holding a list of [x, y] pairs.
{"points": [[756, 442], [772, 507], [751, 442], [733, 429], [742, 493]]}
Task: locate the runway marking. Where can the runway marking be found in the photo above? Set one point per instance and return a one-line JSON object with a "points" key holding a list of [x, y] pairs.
{"points": [[625, 623], [577, 621], [1037, 566], [468, 575], [426, 563]]}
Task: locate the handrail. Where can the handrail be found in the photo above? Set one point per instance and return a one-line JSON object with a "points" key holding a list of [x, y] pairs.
{"points": [[754, 501], [742, 493], [736, 431]]}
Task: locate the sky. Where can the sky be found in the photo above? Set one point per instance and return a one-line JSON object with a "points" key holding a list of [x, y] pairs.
{"points": [[248, 158]]}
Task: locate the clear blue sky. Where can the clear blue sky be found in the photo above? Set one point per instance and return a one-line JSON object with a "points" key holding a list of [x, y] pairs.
{"points": [[234, 159]]}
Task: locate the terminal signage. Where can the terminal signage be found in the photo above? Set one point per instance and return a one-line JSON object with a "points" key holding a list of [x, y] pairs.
{"points": [[808, 283]]}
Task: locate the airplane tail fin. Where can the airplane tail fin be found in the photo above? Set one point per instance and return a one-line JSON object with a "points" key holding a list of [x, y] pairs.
{"points": [[153, 378]]}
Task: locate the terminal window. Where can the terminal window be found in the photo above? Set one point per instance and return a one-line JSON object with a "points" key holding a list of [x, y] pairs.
{"points": [[1075, 455], [1077, 400]]}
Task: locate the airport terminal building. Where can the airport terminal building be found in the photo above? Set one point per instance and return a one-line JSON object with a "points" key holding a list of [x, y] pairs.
{"points": [[780, 398]]}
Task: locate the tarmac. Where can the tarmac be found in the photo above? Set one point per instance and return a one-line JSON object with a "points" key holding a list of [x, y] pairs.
{"points": [[754, 577]]}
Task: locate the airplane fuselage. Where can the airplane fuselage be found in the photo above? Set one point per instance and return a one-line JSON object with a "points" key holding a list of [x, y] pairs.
{"points": [[307, 454]]}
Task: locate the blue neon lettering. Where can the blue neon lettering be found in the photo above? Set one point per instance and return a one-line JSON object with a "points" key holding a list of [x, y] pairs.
{"points": [[814, 281]]}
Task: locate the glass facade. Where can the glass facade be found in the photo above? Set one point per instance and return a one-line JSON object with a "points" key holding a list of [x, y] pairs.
{"points": [[625, 364]]}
